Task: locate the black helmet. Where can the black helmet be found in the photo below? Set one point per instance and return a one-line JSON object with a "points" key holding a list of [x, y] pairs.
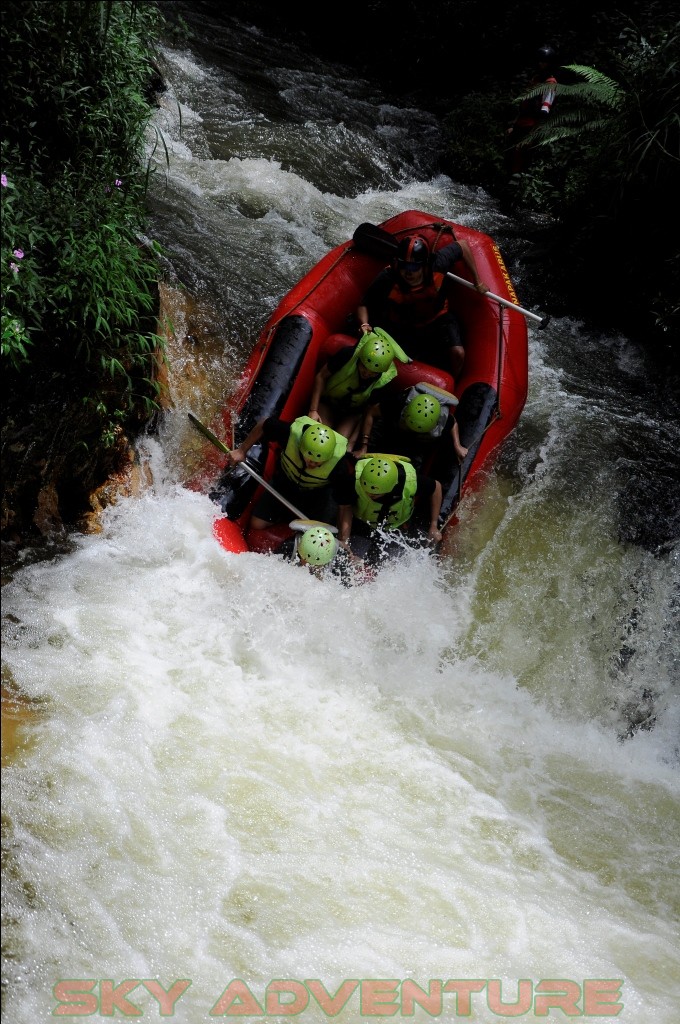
{"points": [[412, 249], [546, 54]]}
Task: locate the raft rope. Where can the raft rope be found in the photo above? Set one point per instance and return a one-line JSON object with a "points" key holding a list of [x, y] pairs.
{"points": [[264, 347], [496, 413], [441, 227]]}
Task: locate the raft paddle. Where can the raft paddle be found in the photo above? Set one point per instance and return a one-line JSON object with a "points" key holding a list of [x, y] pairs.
{"points": [[253, 472], [378, 242]]}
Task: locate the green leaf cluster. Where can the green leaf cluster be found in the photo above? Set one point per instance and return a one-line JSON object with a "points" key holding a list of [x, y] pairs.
{"points": [[82, 297], [605, 165]]}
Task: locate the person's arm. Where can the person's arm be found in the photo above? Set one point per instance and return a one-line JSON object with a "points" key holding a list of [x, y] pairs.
{"points": [[345, 517], [364, 322], [434, 533], [238, 454], [375, 299], [459, 449], [365, 428], [319, 384], [344, 496], [471, 264]]}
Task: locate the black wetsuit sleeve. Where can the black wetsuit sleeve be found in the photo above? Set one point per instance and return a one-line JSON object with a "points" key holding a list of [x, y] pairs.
{"points": [[375, 298], [425, 486], [276, 430], [343, 482], [339, 358], [445, 258]]}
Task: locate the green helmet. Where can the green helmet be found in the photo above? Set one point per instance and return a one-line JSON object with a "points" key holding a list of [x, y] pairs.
{"points": [[317, 546], [317, 443], [377, 354], [379, 476], [421, 414]]}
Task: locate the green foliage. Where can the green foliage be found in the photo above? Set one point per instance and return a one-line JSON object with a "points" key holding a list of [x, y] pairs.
{"points": [[474, 139], [75, 113], [604, 164], [619, 144], [21, 283]]}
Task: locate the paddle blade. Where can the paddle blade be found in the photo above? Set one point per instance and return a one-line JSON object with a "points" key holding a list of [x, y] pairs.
{"points": [[207, 433], [229, 535], [374, 240], [300, 525]]}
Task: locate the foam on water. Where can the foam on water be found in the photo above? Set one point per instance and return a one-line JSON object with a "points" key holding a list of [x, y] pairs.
{"points": [[235, 770], [243, 772]]}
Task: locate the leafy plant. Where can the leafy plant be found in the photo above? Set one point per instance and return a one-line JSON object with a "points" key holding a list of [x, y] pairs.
{"points": [[635, 122], [619, 142], [73, 187], [79, 278]]}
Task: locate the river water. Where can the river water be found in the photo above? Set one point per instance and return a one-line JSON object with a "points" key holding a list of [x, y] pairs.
{"points": [[225, 769]]}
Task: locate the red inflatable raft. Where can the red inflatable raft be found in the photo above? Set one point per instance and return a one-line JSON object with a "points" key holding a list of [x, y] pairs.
{"points": [[313, 320]]}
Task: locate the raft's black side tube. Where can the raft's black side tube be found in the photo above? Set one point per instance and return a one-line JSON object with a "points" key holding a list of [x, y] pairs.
{"points": [[473, 413], [267, 397], [277, 374]]}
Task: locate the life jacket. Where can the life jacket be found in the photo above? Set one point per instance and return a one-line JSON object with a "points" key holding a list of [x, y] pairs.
{"points": [[417, 307], [389, 510], [445, 399], [293, 465], [348, 388]]}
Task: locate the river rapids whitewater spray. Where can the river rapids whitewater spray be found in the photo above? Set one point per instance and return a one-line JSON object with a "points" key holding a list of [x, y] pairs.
{"points": [[238, 790]]}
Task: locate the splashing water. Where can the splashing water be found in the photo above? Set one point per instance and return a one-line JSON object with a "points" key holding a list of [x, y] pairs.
{"points": [[229, 769]]}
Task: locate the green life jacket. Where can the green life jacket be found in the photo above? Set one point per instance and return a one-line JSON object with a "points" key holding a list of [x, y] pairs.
{"points": [[445, 399], [390, 510], [293, 465], [348, 388]]}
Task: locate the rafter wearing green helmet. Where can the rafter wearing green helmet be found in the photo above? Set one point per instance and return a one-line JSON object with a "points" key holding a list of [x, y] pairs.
{"points": [[317, 444], [379, 476], [421, 414], [377, 354], [317, 546]]}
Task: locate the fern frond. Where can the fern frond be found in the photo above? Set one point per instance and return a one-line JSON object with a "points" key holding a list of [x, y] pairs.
{"points": [[545, 135], [592, 75]]}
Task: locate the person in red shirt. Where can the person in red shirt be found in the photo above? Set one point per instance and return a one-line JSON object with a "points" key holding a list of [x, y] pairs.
{"points": [[411, 299], [533, 110]]}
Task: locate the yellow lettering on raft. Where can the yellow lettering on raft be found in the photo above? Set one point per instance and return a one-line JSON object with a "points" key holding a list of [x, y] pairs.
{"points": [[506, 276]]}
